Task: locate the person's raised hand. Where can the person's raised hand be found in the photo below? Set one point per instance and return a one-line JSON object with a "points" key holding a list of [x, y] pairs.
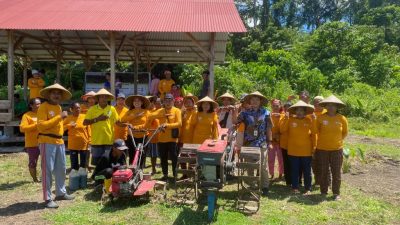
{"points": [[64, 114]]}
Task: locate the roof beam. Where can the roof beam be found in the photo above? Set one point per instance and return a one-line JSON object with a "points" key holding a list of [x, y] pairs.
{"points": [[197, 43], [103, 41], [46, 42]]}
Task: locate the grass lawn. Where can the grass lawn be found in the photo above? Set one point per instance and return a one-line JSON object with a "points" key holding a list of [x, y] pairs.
{"points": [[280, 207], [364, 127]]}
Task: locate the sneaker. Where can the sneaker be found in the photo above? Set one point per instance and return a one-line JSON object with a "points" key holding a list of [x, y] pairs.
{"points": [[265, 191], [51, 204], [337, 198], [295, 191], [65, 197]]}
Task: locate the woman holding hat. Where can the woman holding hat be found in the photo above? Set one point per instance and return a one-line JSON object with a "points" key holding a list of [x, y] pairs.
{"points": [[275, 152], [136, 117], [258, 133], [51, 144], [89, 100], [35, 84], [120, 132], [101, 118], [206, 121], [301, 143], [28, 126], [332, 129], [228, 111]]}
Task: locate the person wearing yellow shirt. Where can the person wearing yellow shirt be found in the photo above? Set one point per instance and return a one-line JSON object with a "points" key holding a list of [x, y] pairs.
{"points": [[28, 126], [52, 149], [332, 129], [89, 101], [78, 137], [136, 118], [152, 150], [318, 111], [301, 143], [205, 123], [189, 112], [120, 132], [101, 118], [35, 84], [165, 85], [171, 120], [276, 152], [283, 143]]}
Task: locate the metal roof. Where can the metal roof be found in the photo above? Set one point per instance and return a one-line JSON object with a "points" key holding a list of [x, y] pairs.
{"points": [[174, 31], [121, 15]]}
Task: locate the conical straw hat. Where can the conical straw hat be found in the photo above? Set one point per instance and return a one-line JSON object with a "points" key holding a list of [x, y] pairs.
{"points": [[88, 95], [45, 92], [104, 92], [264, 99], [207, 99], [299, 104], [129, 101], [227, 95], [190, 95], [332, 99]]}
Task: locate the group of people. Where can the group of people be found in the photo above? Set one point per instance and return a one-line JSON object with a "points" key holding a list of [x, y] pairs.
{"points": [[304, 138]]}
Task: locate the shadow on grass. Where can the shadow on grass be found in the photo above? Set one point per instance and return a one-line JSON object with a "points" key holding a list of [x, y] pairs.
{"points": [[123, 203], [21, 208], [279, 191], [10, 186], [191, 216]]}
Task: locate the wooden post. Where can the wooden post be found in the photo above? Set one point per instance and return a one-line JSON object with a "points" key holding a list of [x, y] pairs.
{"points": [[112, 62], [211, 65], [136, 76], [58, 55], [10, 70], [25, 78]]}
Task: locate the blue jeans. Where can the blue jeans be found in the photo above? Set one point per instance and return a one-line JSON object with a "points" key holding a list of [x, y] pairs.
{"points": [[297, 164]]}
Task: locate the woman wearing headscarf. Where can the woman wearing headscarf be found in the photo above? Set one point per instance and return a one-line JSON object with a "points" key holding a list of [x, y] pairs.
{"points": [[332, 129]]}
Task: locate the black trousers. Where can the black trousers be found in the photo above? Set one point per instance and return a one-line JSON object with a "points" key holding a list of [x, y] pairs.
{"points": [[78, 158], [286, 167], [132, 149], [165, 150]]}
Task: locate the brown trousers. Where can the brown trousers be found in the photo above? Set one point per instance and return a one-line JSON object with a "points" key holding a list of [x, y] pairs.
{"points": [[329, 160]]}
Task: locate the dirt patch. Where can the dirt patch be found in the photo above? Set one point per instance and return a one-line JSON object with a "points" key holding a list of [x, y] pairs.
{"points": [[373, 140], [378, 177]]}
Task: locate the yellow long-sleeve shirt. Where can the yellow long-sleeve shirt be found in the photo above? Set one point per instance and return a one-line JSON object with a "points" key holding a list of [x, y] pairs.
{"points": [[50, 122], [165, 86], [138, 119], [102, 132], [186, 132], [206, 127], [172, 118], [29, 127], [35, 85], [154, 125], [301, 135], [78, 136], [331, 131], [120, 132], [275, 118]]}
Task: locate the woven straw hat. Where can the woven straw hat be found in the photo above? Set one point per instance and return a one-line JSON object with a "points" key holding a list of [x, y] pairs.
{"points": [[299, 104], [129, 101], [264, 99], [332, 99], [227, 95], [207, 99], [88, 95], [45, 92], [105, 92], [191, 96]]}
